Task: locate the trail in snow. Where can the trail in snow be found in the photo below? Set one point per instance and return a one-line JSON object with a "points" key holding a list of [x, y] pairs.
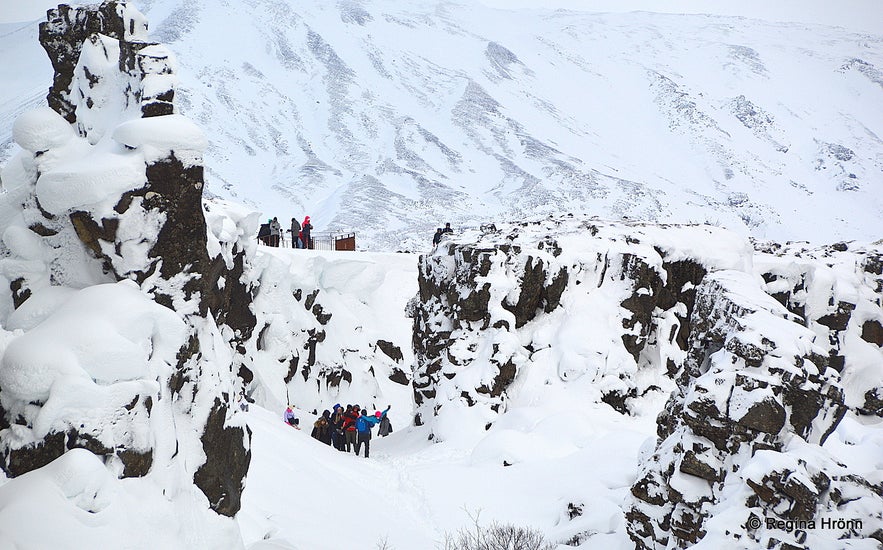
{"points": [[302, 494]]}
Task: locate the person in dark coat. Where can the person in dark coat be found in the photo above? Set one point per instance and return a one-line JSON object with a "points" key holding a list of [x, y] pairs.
{"points": [[295, 233], [447, 228], [322, 428], [305, 229], [264, 233], [385, 427], [337, 427], [437, 237]]}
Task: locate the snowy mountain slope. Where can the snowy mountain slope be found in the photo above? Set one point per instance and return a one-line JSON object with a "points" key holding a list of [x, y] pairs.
{"points": [[390, 118], [26, 72]]}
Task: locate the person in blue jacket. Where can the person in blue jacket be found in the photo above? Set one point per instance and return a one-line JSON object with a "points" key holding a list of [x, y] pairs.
{"points": [[364, 425]]}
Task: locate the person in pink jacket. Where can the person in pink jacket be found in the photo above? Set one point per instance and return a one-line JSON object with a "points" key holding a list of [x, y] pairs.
{"points": [[290, 419], [305, 229]]}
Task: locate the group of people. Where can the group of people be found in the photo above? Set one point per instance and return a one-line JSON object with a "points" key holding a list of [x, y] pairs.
{"points": [[345, 428], [300, 233], [441, 232], [271, 233]]}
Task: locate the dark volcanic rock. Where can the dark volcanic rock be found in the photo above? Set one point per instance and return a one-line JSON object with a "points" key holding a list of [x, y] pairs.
{"points": [[479, 295], [872, 331], [391, 350], [23, 460], [737, 399], [222, 476], [62, 36], [136, 464], [766, 416], [536, 292], [399, 377], [646, 283], [835, 311]]}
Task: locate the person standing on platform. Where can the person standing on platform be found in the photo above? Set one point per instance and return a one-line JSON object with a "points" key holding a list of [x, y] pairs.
{"points": [[275, 232], [305, 228], [295, 233]]}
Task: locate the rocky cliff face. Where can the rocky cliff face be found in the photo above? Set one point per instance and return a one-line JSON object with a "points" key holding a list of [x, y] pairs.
{"points": [[108, 190], [837, 292], [742, 435], [494, 304], [321, 338], [171, 313], [763, 352]]}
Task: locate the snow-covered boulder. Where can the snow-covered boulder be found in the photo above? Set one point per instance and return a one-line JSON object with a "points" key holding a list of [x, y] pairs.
{"points": [[86, 376], [41, 129]]}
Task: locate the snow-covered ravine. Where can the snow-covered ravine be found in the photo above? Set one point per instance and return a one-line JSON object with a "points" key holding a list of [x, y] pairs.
{"points": [[304, 495], [409, 494], [558, 458], [606, 383]]}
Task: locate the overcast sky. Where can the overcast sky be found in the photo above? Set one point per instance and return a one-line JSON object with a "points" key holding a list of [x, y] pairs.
{"points": [[859, 15]]}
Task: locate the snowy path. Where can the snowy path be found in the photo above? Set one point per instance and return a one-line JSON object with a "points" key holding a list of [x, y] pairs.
{"points": [[303, 495]]}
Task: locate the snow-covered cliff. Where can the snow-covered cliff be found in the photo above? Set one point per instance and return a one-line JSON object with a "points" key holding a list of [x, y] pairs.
{"points": [[136, 315], [624, 313], [125, 301]]}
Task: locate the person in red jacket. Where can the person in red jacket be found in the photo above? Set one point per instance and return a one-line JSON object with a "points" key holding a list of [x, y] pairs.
{"points": [[350, 416], [305, 229]]}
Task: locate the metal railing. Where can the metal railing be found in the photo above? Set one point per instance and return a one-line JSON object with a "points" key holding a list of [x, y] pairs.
{"points": [[320, 241], [333, 241]]}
